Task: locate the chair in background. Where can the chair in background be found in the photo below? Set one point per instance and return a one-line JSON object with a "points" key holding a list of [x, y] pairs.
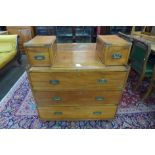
{"points": [[125, 36], [128, 38], [8, 51], [140, 61], [151, 85], [137, 30]]}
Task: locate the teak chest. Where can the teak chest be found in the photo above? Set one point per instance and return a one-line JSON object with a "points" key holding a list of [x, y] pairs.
{"points": [[41, 50], [113, 50], [78, 86]]}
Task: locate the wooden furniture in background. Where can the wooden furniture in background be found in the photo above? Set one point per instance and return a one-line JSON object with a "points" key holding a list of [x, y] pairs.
{"points": [[125, 36], [146, 38], [123, 29], [75, 34], [83, 34], [153, 30], [45, 30], [41, 50], [137, 30], [69, 34], [113, 50], [149, 30], [78, 86], [106, 30], [145, 33], [141, 37], [25, 33]]}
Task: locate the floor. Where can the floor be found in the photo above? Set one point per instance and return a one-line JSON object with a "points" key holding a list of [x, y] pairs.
{"points": [[11, 75]]}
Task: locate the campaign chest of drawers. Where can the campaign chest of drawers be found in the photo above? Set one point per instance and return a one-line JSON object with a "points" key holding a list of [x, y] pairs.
{"points": [[78, 86], [113, 50]]}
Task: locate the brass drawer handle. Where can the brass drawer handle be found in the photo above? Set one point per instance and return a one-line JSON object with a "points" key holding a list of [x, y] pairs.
{"points": [[97, 112], [102, 81], [117, 56], [99, 98], [56, 98], [58, 113], [39, 57], [54, 82]]}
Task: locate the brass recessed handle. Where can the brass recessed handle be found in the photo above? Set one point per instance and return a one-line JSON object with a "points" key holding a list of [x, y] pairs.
{"points": [[54, 82], [99, 98], [58, 113], [56, 98], [117, 56], [97, 112], [102, 81], [39, 57]]}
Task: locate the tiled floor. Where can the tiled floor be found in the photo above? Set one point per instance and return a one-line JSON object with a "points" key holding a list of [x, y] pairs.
{"points": [[11, 75]]}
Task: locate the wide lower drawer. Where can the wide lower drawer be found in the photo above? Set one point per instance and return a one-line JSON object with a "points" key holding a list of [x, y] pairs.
{"points": [[75, 98], [78, 81], [77, 112]]}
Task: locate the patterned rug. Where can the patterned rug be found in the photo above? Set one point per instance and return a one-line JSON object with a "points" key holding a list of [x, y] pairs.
{"points": [[18, 110]]}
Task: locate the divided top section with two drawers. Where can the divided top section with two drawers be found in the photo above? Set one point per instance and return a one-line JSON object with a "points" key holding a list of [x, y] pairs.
{"points": [[113, 50], [41, 50]]}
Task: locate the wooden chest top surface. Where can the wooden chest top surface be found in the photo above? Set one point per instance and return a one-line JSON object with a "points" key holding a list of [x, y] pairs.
{"points": [[77, 57], [113, 40], [40, 41]]}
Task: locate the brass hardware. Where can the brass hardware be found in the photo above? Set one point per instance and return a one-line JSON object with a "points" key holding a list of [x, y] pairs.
{"points": [[56, 98], [39, 57], [58, 113], [99, 98], [117, 56], [97, 112], [102, 81], [54, 82]]}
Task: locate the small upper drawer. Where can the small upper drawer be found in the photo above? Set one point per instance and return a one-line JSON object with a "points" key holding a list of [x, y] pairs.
{"points": [[39, 56], [117, 55], [41, 50], [113, 50]]}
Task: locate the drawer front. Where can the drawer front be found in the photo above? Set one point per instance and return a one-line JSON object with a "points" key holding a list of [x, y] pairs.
{"points": [[77, 113], [39, 56], [76, 98], [117, 55], [78, 81]]}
